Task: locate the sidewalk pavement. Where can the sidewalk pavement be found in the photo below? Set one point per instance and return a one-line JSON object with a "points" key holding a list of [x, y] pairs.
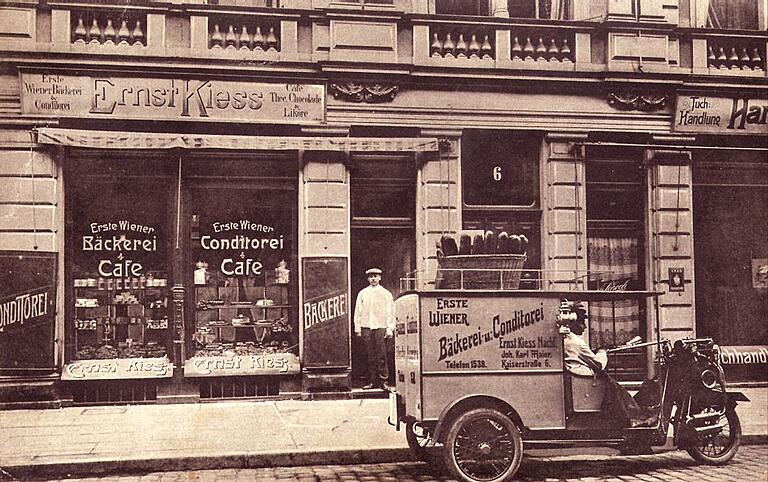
{"points": [[238, 434]]}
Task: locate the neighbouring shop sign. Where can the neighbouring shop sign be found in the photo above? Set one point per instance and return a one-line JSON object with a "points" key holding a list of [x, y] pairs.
{"points": [[170, 99], [744, 355], [27, 311], [325, 313], [721, 115], [118, 369], [235, 365]]}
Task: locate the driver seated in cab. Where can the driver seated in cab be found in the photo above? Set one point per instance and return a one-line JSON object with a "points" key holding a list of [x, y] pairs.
{"points": [[580, 360]]}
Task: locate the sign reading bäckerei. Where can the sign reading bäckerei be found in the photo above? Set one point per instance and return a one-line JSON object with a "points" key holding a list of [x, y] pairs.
{"points": [[470, 333], [170, 99], [721, 115]]}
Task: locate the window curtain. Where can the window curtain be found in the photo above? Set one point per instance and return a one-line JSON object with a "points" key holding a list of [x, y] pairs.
{"points": [[613, 265], [731, 14]]}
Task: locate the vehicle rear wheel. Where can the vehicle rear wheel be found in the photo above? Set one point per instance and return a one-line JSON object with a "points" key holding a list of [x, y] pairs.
{"points": [[483, 445], [720, 447]]}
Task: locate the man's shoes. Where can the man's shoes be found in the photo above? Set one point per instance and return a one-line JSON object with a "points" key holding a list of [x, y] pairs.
{"points": [[647, 422]]}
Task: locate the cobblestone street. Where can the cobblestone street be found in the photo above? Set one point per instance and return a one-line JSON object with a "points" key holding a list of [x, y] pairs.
{"points": [[751, 464]]}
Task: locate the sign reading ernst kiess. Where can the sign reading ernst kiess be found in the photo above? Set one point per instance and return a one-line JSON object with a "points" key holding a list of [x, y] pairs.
{"points": [[170, 99]]}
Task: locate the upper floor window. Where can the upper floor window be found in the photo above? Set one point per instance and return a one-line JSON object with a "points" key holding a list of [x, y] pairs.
{"points": [[368, 2], [555, 9], [733, 14]]}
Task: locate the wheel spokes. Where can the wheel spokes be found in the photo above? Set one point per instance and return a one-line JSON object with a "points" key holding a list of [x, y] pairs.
{"points": [[484, 448]]}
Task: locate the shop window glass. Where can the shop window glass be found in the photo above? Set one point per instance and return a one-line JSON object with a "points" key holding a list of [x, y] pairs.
{"points": [[119, 245], [499, 168], [733, 14], [615, 212], [243, 269], [731, 246]]}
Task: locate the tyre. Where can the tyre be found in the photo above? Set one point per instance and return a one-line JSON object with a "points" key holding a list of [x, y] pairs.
{"points": [[719, 448], [483, 445]]}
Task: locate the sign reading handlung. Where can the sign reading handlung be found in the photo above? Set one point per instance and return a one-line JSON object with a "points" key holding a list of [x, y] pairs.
{"points": [[325, 313], [170, 99], [27, 311], [721, 115]]}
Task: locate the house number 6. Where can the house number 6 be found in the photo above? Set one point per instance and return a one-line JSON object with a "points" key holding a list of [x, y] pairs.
{"points": [[497, 173]]}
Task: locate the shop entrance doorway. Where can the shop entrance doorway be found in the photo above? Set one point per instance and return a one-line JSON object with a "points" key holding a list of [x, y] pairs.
{"points": [[393, 250]]}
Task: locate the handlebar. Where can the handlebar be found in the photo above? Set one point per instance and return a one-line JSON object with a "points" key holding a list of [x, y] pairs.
{"points": [[635, 345]]}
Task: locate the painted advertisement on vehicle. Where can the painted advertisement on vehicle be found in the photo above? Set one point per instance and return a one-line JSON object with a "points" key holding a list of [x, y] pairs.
{"points": [[490, 334]]}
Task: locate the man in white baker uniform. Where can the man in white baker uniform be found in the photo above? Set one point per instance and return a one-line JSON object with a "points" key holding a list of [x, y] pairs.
{"points": [[375, 321]]}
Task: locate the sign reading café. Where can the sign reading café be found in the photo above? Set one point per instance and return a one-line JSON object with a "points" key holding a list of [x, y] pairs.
{"points": [[170, 99]]}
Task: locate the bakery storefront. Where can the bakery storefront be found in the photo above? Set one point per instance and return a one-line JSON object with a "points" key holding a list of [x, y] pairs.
{"points": [[184, 277], [730, 195]]}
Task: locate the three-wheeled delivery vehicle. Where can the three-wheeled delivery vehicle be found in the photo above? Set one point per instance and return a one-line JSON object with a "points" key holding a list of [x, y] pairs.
{"points": [[480, 375]]}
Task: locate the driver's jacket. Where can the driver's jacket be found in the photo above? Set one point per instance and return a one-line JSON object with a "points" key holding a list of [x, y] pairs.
{"points": [[576, 349]]}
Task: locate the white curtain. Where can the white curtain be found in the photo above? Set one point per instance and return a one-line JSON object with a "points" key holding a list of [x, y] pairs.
{"points": [[614, 263]]}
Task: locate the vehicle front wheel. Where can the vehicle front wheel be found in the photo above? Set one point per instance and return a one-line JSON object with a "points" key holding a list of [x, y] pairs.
{"points": [[720, 447], [483, 445]]}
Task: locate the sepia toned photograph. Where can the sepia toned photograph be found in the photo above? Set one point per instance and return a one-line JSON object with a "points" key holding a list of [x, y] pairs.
{"points": [[383, 240]]}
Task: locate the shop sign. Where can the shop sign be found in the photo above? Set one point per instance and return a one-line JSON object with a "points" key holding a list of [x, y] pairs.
{"points": [[325, 313], [234, 365], [27, 311], [112, 97], [744, 355], [721, 115], [118, 369], [510, 334]]}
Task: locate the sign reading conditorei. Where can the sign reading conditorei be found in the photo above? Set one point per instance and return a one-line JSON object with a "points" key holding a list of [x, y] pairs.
{"points": [[721, 115], [170, 99], [27, 311]]}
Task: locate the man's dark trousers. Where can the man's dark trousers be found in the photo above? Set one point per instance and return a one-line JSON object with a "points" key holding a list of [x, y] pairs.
{"points": [[375, 346]]}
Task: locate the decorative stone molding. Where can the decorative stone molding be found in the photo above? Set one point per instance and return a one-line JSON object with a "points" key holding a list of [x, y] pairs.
{"points": [[633, 101], [369, 93]]}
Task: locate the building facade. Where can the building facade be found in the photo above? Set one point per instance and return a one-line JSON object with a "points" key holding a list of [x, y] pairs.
{"points": [[191, 191]]}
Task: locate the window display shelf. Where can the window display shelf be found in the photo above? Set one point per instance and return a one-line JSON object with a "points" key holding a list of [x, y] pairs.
{"points": [[120, 318]]}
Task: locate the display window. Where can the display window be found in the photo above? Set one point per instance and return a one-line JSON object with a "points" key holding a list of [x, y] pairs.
{"points": [[118, 270], [181, 261], [242, 269], [730, 194]]}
